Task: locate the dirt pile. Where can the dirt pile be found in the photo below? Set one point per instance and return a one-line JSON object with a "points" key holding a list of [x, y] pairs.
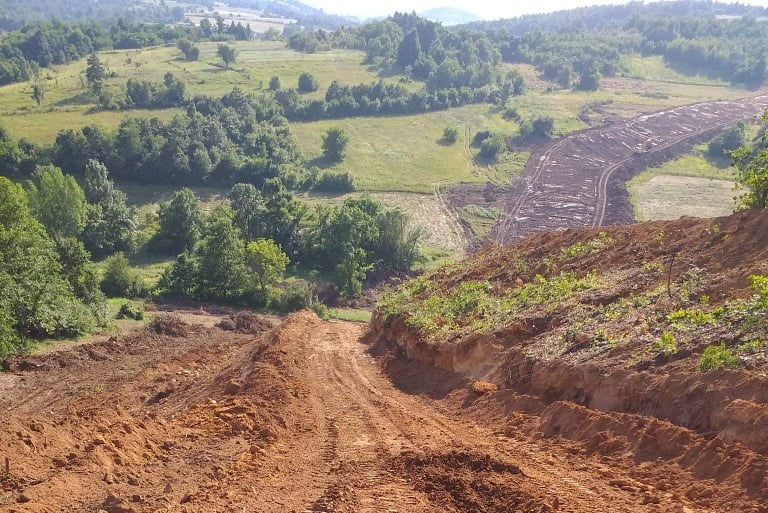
{"points": [[146, 423], [245, 322], [646, 345]]}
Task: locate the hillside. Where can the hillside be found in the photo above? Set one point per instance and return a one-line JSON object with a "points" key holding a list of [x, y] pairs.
{"points": [[641, 342]]}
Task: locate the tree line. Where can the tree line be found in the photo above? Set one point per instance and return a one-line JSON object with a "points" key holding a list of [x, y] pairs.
{"points": [[240, 251], [52, 227], [573, 48]]}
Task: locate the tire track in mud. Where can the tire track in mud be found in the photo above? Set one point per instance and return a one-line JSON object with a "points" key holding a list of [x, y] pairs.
{"points": [[374, 425], [568, 185]]}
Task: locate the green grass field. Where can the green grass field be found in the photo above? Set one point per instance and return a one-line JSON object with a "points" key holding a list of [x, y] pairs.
{"points": [[67, 104], [405, 153], [654, 68], [692, 185]]}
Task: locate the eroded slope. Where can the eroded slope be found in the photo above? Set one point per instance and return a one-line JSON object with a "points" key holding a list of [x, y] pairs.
{"points": [[645, 343]]}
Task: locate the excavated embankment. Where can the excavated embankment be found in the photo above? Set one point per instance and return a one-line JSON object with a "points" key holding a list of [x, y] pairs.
{"points": [[618, 364]]}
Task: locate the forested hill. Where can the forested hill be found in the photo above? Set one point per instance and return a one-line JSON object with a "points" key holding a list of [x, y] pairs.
{"points": [[601, 17], [17, 13]]}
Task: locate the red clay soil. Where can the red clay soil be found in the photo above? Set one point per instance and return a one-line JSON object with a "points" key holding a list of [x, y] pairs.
{"points": [[298, 419], [577, 372]]}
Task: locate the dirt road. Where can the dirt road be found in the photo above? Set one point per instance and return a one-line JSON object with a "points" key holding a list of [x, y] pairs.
{"points": [[302, 419], [569, 184]]}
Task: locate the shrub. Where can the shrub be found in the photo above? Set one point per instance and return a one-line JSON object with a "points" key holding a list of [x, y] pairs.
{"points": [[666, 344], [131, 311], [716, 357], [275, 83], [297, 295], [493, 146], [321, 310], [511, 114], [335, 182], [480, 137], [450, 134], [335, 142], [120, 279], [307, 83], [730, 139]]}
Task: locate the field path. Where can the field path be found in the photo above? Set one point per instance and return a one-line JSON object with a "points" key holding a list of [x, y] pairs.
{"points": [[568, 184]]}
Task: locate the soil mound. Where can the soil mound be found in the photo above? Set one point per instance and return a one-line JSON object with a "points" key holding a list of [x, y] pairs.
{"points": [[169, 324], [464, 481], [166, 418], [245, 322]]}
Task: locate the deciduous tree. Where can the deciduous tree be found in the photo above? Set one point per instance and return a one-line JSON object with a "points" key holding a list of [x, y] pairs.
{"points": [[335, 142]]}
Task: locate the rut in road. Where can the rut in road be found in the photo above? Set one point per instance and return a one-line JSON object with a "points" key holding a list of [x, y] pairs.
{"points": [[568, 184]]}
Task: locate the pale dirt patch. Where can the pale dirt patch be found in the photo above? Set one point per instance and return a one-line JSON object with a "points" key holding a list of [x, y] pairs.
{"points": [[668, 197], [430, 213]]}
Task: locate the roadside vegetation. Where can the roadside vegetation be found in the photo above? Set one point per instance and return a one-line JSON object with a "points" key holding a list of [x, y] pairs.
{"points": [[577, 301]]}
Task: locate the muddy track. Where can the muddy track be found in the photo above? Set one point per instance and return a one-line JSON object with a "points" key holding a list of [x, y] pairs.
{"points": [[569, 184]]}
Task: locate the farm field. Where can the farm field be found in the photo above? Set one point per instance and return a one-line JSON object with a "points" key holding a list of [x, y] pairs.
{"points": [[571, 182], [692, 185], [669, 197]]}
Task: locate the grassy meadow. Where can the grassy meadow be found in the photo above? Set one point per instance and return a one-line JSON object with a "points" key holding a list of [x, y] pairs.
{"points": [[654, 68], [692, 185]]}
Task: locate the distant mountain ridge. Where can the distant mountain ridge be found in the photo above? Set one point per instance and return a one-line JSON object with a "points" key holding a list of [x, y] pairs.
{"points": [[449, 15], [615, 16]]}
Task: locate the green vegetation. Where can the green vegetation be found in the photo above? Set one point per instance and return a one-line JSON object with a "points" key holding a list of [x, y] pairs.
{"points": [[474, 307], [120, 279], [752, 166], [266, 261], [46, 292], [450, 135], [654, 68], [181, 223], [131, 310], [227, 53], [667, 344], [582, 249], [716, 357], [335, 142], [307, 83]]}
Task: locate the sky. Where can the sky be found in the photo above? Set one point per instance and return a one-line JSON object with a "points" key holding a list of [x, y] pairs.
{"points": [[488, 9]]}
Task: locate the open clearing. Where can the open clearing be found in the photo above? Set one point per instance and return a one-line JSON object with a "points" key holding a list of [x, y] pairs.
{"points": [[406, 153], [668, 197], [579, 180], [692, 185]]}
